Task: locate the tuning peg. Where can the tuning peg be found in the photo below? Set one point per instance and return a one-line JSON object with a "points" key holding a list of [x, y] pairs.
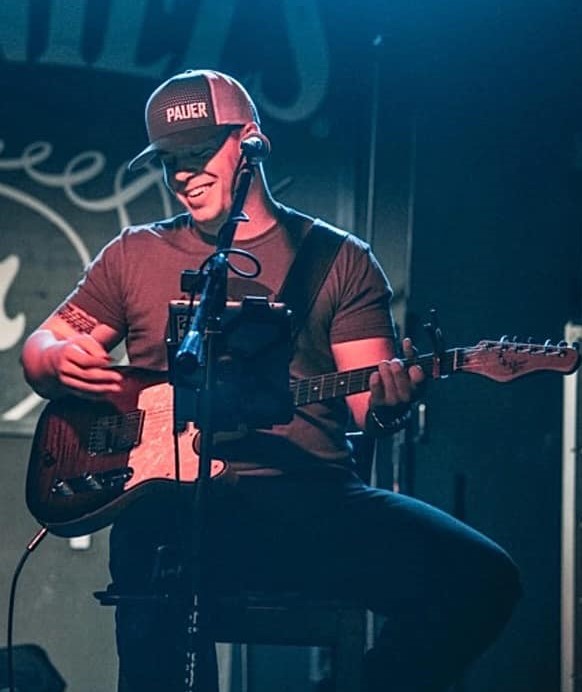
{"points": [[563, 344], [576, 345], [504, 341], [533, 347], [515, 343], [434, 318], [547, 345], [435, 333]]}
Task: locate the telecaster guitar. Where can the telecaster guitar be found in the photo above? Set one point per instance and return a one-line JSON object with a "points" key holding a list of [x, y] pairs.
{"points": [[89, 460]]}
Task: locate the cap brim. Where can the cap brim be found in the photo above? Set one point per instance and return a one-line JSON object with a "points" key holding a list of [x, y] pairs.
{"points": [[142, 158], [178, 141]]}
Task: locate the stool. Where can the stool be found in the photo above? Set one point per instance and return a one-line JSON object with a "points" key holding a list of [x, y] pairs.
{"points": [[291, 620], [287, 620]]}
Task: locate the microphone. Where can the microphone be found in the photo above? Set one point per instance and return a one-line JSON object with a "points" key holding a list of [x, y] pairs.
{"points": [[188, 355], [256, 148]]}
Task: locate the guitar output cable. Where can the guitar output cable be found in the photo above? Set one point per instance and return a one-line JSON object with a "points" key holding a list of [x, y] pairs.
{"points": [[32, 545]]}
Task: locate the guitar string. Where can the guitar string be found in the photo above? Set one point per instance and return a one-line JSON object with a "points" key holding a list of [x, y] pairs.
{"points": [[319, 386]]}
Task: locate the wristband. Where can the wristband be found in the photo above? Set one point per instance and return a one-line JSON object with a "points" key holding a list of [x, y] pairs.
{"points": [[379, 426]]}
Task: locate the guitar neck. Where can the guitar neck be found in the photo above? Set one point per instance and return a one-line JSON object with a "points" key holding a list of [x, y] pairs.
{"points": [[501, 361], [339, 384]]}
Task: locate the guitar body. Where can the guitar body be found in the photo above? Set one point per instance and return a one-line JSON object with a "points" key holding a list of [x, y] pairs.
{"points": [[91, 459]]}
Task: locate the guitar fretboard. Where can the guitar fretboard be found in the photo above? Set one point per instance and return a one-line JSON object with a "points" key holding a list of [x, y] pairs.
{"points": [[339, 384]]}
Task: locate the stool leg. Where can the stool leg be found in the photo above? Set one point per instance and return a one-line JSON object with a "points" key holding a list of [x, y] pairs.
{"points": [[244, 668], [320, 664], [224, 654], [349, 653]]}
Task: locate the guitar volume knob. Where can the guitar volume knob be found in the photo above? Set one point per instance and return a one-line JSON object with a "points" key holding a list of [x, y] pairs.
{"points": [[62, 488]]}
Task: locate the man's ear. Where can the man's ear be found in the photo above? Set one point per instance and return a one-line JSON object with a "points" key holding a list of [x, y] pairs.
{"points": [[248, 129]]}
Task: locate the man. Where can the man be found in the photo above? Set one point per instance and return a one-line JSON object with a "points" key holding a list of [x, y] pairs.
{"points": [[299, 517]]}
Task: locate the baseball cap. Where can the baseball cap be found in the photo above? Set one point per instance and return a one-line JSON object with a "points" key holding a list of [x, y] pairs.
{"points": [[191, 107]]}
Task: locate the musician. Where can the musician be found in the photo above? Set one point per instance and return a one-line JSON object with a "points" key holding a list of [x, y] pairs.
{"points": [[299, 517]]}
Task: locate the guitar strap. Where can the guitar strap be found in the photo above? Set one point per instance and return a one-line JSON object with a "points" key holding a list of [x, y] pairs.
{"points": [[309, 270]]}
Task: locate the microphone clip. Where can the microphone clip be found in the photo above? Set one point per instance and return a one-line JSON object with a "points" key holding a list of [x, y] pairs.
{"points": [[256, 148]]}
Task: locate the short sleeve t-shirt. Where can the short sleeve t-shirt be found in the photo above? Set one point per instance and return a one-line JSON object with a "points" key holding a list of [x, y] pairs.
{"points": [[131, 282]]}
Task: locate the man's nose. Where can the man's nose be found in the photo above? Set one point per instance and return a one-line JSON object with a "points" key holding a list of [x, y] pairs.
{"points": [[186, 172]]}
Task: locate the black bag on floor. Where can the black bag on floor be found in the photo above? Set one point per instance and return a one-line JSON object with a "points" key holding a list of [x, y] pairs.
{"points": [[33, 671]]}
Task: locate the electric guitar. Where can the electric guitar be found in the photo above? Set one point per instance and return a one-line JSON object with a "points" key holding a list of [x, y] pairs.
{"points": [[89, 460]]}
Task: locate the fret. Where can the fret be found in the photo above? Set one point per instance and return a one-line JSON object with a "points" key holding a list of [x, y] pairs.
{"points": [[340, 384], [298, 390], [354, 381], [328, 386], [316, 389], [457, 363]]}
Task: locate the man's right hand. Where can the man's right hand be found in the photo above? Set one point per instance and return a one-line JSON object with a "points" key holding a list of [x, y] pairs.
{"points": [[81, 365], [68, 354]]}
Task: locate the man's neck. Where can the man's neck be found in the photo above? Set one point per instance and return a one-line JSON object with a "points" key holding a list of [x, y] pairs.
{"points": [[261, 211]]}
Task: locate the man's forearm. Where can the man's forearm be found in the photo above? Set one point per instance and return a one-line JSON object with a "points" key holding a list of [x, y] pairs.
{"points": [[38, 366]]}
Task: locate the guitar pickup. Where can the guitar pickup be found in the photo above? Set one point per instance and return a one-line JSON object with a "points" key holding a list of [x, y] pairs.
{"points": [[92, 482], [116, 434]]}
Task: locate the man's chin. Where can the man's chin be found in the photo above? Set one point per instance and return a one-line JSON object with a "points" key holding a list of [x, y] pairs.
{"points": [[207, 220]]}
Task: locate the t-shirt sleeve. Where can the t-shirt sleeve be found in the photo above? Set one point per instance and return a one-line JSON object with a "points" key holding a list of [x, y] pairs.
{"points": [[99, 292], [364, 295]]}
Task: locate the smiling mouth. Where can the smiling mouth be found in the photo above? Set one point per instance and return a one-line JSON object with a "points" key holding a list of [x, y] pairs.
{"points": [[199, 190]]}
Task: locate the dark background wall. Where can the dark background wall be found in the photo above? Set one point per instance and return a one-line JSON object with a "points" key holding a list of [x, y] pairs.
{"points": [[497, 250], [478, 182]]}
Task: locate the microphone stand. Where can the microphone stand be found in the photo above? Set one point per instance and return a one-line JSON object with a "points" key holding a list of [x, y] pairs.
{"points": [[199, 350]]}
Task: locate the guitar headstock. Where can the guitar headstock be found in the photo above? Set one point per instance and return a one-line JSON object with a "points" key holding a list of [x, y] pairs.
{"points": [[506, 360]]}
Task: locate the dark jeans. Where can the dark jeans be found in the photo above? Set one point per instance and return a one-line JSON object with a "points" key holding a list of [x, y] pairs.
{"points": [[446, 590]]}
